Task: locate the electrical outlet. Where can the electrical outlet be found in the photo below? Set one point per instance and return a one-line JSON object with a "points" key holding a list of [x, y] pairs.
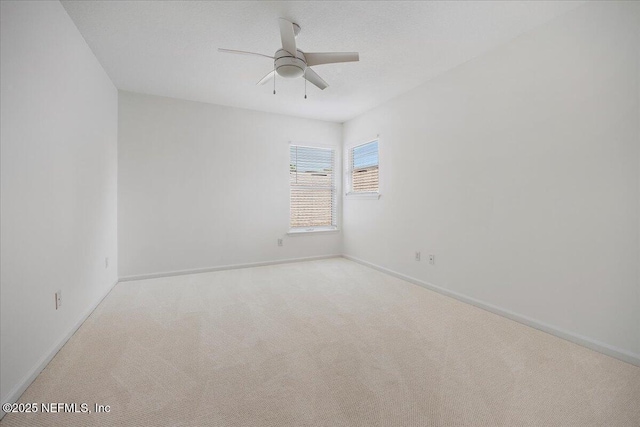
{"points": [[279, 242], [106, 262], [58, 299], [432, 259], [417, 256]]}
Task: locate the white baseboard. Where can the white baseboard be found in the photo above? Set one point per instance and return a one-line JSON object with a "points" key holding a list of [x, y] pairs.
{"points": [[223, 267], [592, 344], [17, 391]]}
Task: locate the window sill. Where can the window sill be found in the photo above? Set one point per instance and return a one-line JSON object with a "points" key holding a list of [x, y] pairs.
{"points": [[375, 196], [319, 230]]}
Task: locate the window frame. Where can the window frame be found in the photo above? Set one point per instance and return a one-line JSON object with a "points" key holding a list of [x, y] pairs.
{"points": [[348, 155], [297, 231]]}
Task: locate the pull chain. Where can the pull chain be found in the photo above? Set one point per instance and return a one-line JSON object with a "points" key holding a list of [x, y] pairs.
{"points": [[274, 78], [304, 76]]}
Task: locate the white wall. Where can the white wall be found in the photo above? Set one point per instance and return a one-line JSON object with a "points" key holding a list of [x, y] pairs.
{"points": [[59, 171], [203, 186], [519, 171]]}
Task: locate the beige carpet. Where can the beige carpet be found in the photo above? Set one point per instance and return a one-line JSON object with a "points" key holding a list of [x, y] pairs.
{"points": [[323, 343]]}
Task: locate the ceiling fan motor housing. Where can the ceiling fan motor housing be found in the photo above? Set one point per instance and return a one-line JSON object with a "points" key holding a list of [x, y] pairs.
{"points": [[288, 66]]}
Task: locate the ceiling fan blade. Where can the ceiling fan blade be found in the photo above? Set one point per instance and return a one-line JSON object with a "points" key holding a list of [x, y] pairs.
{"points": [[314, 78], [317, 58], [266, 78], [242, 52], [288, 36]]}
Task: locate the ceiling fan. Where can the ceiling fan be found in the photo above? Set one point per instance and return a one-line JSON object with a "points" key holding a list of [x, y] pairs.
{"points": [[291, 62]]}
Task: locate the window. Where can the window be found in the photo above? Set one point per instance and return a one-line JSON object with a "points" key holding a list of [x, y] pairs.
{"points": [[313, 191], [363, 168]]}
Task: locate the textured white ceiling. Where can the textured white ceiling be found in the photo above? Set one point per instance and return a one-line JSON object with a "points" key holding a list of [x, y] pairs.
{"points": [[170, 48]]}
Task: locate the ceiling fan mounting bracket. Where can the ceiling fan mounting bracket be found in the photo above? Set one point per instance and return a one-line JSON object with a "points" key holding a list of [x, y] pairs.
{"points": [[296, 29]]}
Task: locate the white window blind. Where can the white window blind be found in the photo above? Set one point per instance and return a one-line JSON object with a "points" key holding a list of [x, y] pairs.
{"points": [[363, 168], [313, 192]]}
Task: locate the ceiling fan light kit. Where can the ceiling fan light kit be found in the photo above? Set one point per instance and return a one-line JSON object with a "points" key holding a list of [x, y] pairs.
{"points": [[290, 66], [291, 62]]}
